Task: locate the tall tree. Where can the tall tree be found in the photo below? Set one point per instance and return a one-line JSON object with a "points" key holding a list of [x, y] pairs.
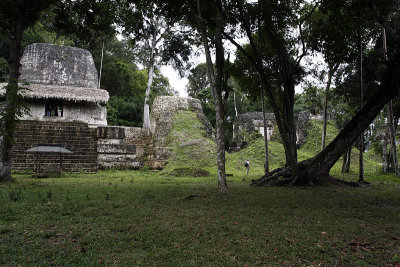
{"points": [[15, 17], [361, 177], [316, 170], [218, 80], [270, 23], [156, 39], [390, 124]]}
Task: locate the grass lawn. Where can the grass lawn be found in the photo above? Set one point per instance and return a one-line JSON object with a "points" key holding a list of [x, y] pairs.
{"points": [[143, 218]]}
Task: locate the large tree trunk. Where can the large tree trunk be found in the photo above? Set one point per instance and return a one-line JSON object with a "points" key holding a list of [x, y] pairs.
{"points": [[316, 170], [219, 105], [361, 158], [217, 85], [11, 91]]}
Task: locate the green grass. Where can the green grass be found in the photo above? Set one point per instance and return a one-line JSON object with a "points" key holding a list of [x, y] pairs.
{"points": [[195, 155], [172, 218], [143, 218]]}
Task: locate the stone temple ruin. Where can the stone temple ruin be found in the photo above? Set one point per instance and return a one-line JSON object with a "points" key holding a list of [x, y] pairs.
{"points": [[252, 122], [62, 85], [67, 109]]}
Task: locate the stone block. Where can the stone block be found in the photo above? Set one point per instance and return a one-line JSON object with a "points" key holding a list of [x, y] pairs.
{"points": [[58, 65]]}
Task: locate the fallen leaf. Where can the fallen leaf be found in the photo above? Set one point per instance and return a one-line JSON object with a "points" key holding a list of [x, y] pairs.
{"points": [[323, 233]]}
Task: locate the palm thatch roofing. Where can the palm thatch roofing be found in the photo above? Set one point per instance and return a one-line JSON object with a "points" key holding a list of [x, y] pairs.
{"points": [[68, 93]]}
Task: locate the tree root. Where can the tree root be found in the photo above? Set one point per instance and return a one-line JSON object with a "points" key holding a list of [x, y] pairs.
{"points": [[273, 177], [282, 177]]}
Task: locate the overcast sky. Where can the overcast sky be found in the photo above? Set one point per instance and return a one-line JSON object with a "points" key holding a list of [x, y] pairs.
{"points": [[175, 80]]}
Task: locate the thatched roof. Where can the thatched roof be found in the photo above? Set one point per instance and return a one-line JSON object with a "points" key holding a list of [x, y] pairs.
{"points": [[69, 93]]}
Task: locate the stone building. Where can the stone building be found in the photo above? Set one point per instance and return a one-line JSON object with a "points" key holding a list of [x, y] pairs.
{"points": [[67, 109], [252, 122], [248, 123], [62, 85]]}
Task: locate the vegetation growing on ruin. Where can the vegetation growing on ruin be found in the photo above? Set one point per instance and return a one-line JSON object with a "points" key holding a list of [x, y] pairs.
{"points": [[194, 155]]}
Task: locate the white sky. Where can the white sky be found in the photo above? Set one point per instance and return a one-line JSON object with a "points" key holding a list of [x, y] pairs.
{"points": [[176, 82], [179, 84]]}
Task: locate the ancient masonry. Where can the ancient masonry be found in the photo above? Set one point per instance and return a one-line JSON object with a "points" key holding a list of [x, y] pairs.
{"points": [[163, 110], [66, 109], [248, 123]]}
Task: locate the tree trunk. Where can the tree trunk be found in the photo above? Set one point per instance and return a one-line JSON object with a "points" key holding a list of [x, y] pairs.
{"points": [[392, 138], [316, 170], [219, 105], [101, 65], [236, 114], [346, 161], [11, 91], [331, 72], [321, 164], [217, 85], [361, 177], [284, 114], [235, 105], [146, 109], [266, 164], [384, 151]]}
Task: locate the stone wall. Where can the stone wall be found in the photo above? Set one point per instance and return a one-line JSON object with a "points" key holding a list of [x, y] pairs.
{"points": [[76, 137], [102, 147], [58, 65], [163, 110], [124, 147], [91, 113], [252, 122]]}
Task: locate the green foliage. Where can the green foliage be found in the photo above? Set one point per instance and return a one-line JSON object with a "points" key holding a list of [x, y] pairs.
{"points": [[89, 21], [254, 151], [124, 111], [16, 105], [3, 69], [39, 34], [314, 135], [311, 99]]}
